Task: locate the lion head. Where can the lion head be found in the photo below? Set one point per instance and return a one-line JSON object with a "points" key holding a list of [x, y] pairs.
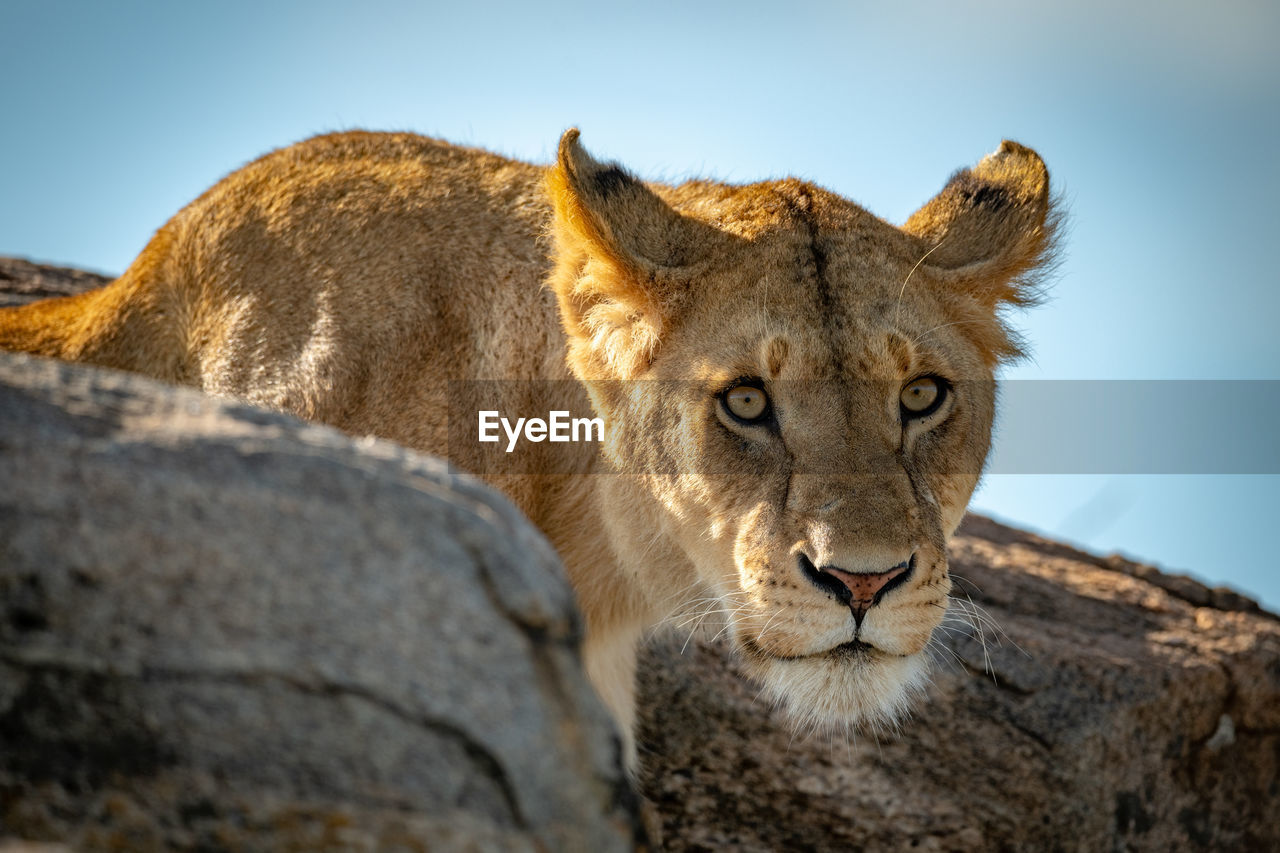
{"points": [[798, 399]]}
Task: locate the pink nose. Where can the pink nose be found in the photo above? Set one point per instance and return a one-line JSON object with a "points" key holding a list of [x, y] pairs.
{"points": [[864, 587]]}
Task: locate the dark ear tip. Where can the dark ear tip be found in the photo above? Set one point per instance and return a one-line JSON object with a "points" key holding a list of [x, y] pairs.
{"points": [[570, 151], [568, 139], [1008, 146], [585, 174], [1015, 152], [1016, 167]]}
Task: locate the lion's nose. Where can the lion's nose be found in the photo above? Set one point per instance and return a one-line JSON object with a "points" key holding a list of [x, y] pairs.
{"points": [[860, 590]]}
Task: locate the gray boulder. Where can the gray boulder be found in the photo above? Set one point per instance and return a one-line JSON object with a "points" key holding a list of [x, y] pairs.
{"points": [[222, 628]]}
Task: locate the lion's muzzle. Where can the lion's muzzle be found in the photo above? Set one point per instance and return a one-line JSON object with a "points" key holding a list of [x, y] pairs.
{"points": [[859, 590]]}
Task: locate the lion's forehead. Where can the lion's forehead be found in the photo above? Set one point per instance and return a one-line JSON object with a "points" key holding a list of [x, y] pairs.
{"points": [[857, 341], [843, 315]]}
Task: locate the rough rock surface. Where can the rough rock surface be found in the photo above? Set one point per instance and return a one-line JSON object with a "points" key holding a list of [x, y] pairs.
{"points": [[23, 281], [1078, 703], [1111, 707], [222, 628]]}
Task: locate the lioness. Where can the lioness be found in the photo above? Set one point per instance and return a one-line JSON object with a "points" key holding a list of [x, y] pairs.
{"points": [[826, 400]]}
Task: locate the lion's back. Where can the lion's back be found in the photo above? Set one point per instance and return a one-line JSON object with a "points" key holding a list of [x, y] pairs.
{"points": [[342, 276]]}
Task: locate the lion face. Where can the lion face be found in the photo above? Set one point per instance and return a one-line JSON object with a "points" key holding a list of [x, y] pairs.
{"points": [[805, 393]]}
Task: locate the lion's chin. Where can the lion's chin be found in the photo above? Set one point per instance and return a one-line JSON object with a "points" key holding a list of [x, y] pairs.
{"points": [[851, 685]]}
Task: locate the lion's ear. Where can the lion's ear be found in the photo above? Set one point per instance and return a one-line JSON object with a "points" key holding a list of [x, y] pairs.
{"points": [[989, 239], [991, 226], [624, 256]]}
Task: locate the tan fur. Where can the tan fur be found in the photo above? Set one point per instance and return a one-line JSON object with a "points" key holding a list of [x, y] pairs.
{"points": [[366, 279]]}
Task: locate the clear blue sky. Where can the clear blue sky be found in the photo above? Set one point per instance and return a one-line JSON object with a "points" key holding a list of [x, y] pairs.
{"points": [[1158, 121]]}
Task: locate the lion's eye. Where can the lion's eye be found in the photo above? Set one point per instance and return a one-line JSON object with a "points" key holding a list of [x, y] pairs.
{"points": [[746, 402], [922, 396]]}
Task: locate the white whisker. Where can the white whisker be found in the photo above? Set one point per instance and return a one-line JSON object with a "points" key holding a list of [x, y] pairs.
{"points": [[903, 289]]}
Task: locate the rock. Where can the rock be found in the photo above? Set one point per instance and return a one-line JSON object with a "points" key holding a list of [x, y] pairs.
{"points": [[22, 281], [222, 628], [1076, 704]]}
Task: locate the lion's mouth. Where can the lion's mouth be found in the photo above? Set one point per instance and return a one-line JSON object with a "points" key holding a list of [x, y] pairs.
{"points": [[853, 650]]}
